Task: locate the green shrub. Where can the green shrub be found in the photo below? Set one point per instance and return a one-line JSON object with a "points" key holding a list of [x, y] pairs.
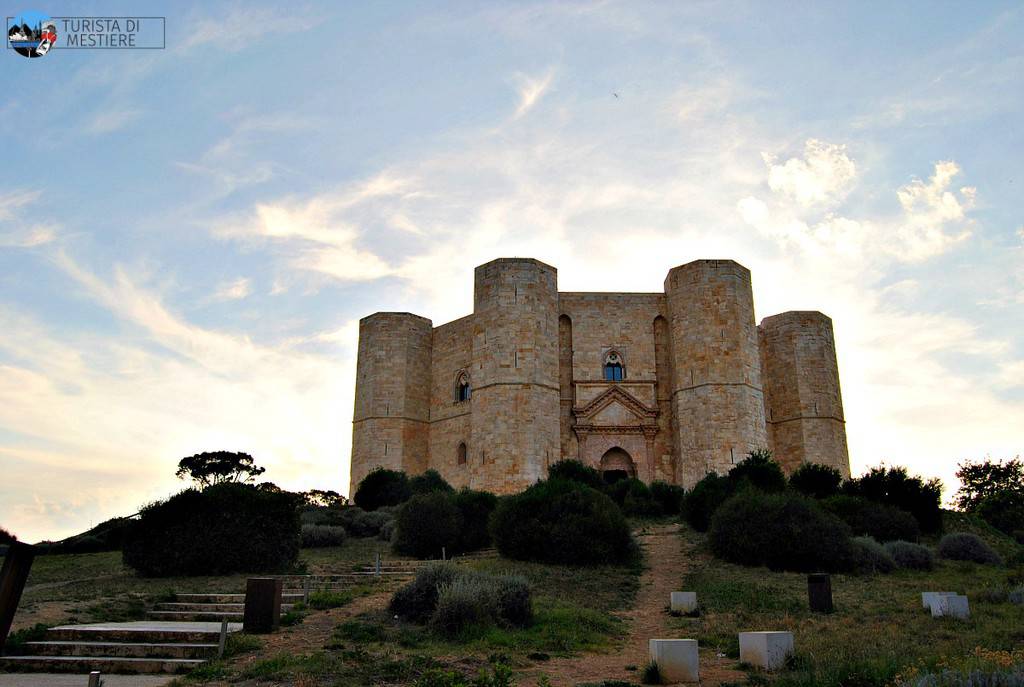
{"points": [[781, 531], [226, 528], [387, 532], [634, 497], [430, 481], [18, 640], [576, 471], [559, 521], [382, 488], [359, 523], [877, 520], [465, 604], [651, 674], [314, 536], [455, 601], [669, 497], [963, 546], [416, 600], [704, 499], [1004, 510], [894, 487], [425, 524], [868, 556], [911, 556], [815, 480], [758, 470], [475, 507]]}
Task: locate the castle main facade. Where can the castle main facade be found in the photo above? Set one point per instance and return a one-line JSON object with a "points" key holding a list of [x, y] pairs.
{"points": [[660, 386]]}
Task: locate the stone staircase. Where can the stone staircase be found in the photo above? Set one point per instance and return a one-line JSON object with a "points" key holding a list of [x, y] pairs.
{"points": [[183, 634], [134, 647]]}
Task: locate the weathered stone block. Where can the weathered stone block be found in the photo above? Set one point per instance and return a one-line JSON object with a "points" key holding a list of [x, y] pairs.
{"points": [[677, 659], [953, 606], [684, 602], [767, 650], [928, 598]]}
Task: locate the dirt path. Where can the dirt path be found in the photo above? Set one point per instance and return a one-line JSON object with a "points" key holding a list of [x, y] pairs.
{"points": [[665, 564]]}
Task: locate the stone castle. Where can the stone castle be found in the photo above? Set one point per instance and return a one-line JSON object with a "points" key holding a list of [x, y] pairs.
{"points": [[661, 386]]}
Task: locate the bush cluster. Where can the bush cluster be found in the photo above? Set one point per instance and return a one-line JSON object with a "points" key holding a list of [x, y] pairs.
{"points": [[632, 495], [381, 488], [1004, 510], [816, 481], [910, 555], [436, 520], [314, 536], [894, 487], [782, 531], [226, 528], [360, 523], [428, 482], [560, 521], [868, 556], [455, 601], [877, 520], [963, 546]]}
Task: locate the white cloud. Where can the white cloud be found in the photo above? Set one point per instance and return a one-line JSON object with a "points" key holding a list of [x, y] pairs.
{"points": [[11, 202], [234, 290], [531, 89], [934, 218], [823, 175], [108, 121]]}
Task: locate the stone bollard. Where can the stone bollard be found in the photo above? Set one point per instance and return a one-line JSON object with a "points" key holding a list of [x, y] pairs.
{"points": [[95, 679], [677, 659], [683, 602], [767, 650], [930, 598], [819, 592], [13, 576], [262, 605], [951, 606]]}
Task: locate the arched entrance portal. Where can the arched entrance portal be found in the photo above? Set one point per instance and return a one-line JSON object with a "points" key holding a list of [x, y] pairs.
{"points": [[616, 464]]}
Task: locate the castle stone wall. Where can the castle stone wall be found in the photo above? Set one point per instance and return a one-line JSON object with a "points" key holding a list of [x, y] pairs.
{"points": [[702, 387]]}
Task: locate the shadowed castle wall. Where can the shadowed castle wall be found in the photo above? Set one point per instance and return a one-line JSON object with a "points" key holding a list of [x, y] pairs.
{"points": [[803, 400], [392, 407], [451, 420]]}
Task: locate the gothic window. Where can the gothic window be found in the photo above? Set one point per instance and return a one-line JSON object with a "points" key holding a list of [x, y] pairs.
{"points": [[462, 389], [614, 370], [461, 456]]}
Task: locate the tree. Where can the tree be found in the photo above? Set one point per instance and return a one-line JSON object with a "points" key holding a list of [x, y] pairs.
{"points": [[817, 481], [759, 471], [217, 467], [382, 487], [980, 481], [324, 498], [6, 537]]}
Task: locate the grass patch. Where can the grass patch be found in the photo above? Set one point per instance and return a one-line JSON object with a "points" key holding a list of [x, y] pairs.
{"points": [[321, 601], [878, 631]]}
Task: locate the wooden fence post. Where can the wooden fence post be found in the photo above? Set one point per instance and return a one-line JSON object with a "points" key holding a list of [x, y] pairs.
{"points": [[13, 576]]}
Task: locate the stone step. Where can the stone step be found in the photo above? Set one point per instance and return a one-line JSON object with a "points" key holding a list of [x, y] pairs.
{"points": [[197, 616], [104, 664], [142, 631], [228, 598], [121, 649], [198, 607]]}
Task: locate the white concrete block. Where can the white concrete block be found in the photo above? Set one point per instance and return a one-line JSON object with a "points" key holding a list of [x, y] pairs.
{"points": [[953, 606], [677, 659], [928, 598], [684, 602], [767, 650]]}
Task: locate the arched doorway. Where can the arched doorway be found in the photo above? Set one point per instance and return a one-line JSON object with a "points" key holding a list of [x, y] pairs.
{"points": [[616, 464]]}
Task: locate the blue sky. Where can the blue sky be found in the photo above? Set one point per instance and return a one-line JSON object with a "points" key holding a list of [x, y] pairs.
{"points": [[189, 236]]}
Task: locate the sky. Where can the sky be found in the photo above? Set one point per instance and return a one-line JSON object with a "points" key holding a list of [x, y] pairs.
{"points": [[189, 236]]}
